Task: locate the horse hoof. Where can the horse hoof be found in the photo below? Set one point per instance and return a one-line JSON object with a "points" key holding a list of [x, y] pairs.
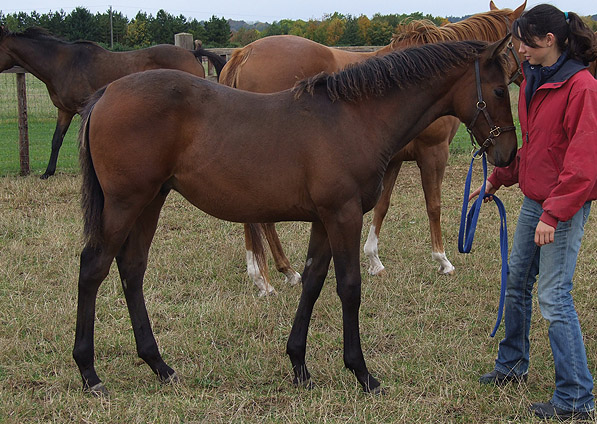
{"points": [[171, 379], [293, 279], [304, 384], [378, 270], [44, 176], [264, 293], [446, 271], [99, 391], [378, 391]]}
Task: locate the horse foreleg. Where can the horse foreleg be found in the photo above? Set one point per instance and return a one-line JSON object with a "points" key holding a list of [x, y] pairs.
{"points": [[379, 213], [282, 262], [433, 166], [316, 269], [62, 124], [344, 240], [132, 263], [253, 270]]}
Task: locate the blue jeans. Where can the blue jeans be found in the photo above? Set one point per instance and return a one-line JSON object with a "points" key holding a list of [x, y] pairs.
{"points": [[554, 263]]}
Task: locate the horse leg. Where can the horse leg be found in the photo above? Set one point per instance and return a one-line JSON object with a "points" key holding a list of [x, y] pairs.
{"points": [[282, 262], [344, 241], [316, 269], [432, 165], [62, 124], [132, 263], [379, 213], [255, 274], [94, 267]]}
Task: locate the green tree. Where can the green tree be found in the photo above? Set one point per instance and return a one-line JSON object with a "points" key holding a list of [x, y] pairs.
{"points": [[217, 32], [54, 23], [244, 36], [137, 32], [351, 35], [80, 24], [198, 30]]}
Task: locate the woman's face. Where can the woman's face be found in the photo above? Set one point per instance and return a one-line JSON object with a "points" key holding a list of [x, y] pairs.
{"points": [[546, 52]]}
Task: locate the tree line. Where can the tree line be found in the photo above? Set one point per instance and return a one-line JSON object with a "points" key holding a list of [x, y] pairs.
{"points": [[115, 31]]}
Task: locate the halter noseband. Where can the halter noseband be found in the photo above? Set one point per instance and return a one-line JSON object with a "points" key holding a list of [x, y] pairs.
{"points": [[495, 131]]}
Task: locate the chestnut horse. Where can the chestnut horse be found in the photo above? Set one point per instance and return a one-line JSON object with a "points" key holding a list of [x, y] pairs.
{"points": [[72, 72], [275, 63], [161, 130]]}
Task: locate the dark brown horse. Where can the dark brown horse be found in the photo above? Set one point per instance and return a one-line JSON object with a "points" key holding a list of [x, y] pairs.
{"points": [[317, 154], [72, 72], [275, 63]]}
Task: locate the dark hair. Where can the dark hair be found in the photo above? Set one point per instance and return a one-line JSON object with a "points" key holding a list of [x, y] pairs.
{"points": [[572, 34]]}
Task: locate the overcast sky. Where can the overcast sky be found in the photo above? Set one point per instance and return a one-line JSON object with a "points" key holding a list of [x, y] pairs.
{"points": [[276, 10]]}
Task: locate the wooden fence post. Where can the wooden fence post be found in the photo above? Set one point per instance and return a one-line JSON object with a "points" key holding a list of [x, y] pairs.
{"points": [[23, 127]]}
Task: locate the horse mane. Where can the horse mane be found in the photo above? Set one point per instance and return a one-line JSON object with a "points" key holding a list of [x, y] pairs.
{"points": [[482, 26], [400, 68], [42, 34]]}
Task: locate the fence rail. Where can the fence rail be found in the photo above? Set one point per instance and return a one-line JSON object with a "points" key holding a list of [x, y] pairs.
{"points": [[22, 97]]}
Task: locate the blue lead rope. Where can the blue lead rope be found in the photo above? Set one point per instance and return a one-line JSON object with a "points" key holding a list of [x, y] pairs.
{"points": [[468, 224]]}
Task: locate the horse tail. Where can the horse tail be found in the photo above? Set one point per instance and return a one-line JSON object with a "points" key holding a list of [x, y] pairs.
{"points": [[216, 60], [92, 196], [258, 249], [232, 70]]}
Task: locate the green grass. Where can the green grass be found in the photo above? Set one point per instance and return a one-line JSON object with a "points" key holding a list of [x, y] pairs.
{"points": [[424, 336], [42, 121]]}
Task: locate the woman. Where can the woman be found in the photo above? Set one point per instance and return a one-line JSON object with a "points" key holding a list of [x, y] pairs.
{"points": [[557, 173]]}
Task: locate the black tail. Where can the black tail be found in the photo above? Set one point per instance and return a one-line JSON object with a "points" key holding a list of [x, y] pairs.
{"points": [[92, 196], [216, 60]]}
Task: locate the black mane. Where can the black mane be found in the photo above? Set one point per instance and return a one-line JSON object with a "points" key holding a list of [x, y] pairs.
{"points": [[402, 68], [41, 34]]}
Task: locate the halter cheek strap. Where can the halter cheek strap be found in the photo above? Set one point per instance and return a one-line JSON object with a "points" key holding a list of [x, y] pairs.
{"points": [[495, 131]]}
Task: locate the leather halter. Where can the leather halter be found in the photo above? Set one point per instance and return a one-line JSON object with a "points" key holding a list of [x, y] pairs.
{"points": [[511, 50], [495, 131], [518, 72]]}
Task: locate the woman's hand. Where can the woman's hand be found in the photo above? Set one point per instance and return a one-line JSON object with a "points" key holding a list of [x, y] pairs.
{"points": [[489, 189], [544, 234]]}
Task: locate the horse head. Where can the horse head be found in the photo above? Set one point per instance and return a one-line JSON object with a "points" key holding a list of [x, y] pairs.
{"points": [[489, 121], [6, 60]]}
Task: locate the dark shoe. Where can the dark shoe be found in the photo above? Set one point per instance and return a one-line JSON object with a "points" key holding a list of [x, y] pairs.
{"points": [[501, 379], [549, 411]]}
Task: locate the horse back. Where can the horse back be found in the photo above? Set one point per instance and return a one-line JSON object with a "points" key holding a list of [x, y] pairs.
{"points": [[276, 63]]}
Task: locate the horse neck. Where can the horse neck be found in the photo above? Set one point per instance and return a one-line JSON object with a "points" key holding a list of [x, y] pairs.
{"points": [[397, 125], [39, 57]]}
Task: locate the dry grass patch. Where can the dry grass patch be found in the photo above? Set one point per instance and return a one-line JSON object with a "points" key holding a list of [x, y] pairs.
{"points": [[424, 335]]}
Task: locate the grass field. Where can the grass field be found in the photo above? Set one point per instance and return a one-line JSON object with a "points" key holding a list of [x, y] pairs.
{"points": [[424, 336]]}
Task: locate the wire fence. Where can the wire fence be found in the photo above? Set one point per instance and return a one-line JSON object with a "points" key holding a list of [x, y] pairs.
{"points": [[39, 105]]}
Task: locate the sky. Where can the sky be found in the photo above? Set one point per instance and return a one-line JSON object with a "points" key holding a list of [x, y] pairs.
{"points": [[276, 10]]}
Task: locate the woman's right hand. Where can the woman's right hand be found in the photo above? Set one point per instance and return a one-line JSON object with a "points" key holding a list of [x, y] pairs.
{"points": [[489, 189]]}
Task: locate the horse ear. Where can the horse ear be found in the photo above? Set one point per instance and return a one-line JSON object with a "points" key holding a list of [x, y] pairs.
{"points": [[492, 6], [516, 14], [496, 49]]}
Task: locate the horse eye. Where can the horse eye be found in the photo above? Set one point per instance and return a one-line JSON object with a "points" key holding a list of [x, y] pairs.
{"points": [[499, 92]]}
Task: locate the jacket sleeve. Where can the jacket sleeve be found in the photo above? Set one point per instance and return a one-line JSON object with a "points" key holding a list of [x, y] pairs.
{"points": [[506, 176], [576, 182]]}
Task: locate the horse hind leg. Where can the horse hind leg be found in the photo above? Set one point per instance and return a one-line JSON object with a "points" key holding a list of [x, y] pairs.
{"points": [[282, 262], [94, 267], [379, 213], [132, 263], [259, 279], [432, 167]]}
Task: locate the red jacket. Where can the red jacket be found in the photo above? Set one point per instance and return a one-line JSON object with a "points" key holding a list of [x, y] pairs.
{"points": [[557, 162]]}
